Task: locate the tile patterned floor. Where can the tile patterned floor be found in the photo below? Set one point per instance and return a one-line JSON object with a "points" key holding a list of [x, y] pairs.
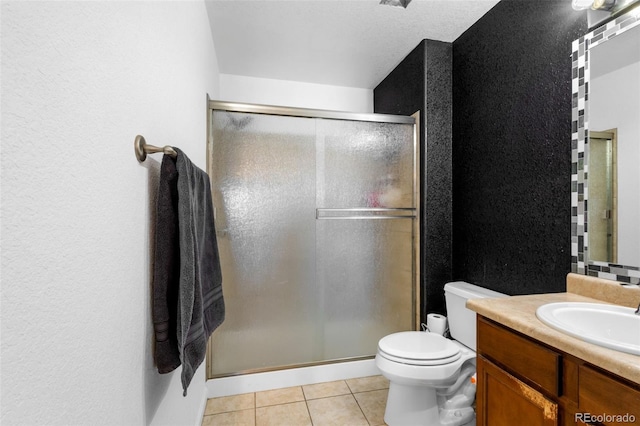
{"points": [[352, 402]]}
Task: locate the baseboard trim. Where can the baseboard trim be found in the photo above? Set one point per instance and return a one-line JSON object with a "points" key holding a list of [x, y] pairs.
{"points": [[257, 382]]}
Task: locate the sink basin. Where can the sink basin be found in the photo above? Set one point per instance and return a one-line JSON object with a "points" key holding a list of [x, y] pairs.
{"points": [[610, 326]]}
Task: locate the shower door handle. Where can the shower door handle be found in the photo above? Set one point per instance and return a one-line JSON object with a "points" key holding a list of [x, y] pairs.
{"points": [[366, 213]]}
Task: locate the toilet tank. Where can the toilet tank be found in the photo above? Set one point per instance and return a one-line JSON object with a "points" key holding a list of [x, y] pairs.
{"points": [[462, 321]]}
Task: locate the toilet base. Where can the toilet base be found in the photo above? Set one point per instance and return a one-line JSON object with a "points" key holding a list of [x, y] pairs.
{"points": [[411, 406], [418, 406]]}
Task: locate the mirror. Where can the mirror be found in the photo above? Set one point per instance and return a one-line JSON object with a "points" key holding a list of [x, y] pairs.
{"points": [[614, 150], [606, 151]]}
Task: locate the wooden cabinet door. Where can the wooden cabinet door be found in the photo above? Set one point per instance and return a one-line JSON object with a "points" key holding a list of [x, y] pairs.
{"points": [[503, 400], [602, 395]]}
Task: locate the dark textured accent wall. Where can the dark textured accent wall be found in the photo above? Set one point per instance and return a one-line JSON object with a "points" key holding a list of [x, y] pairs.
{"points": [[422, 82], [512, 147]]}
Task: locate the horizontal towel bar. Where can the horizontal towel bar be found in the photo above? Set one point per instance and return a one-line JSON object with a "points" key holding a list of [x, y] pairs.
{"points": [[142, 148]]}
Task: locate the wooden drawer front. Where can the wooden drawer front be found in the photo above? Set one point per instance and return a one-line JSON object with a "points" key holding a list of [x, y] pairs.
{"points": [[503, 400], [599, 394], [530, 360]]}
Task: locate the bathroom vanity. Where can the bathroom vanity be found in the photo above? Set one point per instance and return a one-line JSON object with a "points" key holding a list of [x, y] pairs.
{"points": [[536, 375]]}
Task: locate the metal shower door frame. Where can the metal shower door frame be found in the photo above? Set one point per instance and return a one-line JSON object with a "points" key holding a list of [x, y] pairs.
{"points": [[326, 213]]}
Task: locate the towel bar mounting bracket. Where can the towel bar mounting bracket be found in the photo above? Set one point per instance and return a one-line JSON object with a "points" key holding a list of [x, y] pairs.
{"points": [[141, 148]]}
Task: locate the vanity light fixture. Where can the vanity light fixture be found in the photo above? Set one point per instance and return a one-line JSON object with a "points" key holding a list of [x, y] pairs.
{"points": [[403, 3], [593, 4]]}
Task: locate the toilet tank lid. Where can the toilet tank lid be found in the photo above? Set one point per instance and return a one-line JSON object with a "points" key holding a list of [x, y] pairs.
{"points": [[471, 291]]}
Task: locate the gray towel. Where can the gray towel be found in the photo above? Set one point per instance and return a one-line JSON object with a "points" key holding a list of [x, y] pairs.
{"points": [[201, 305], [166, 270]]}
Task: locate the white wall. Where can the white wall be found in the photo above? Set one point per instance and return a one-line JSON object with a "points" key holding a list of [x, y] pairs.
{"points": [[79, 81], [235, 88]]}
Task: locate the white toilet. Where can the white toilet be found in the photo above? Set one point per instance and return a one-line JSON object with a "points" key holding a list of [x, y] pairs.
{"points": [[430, 375]]}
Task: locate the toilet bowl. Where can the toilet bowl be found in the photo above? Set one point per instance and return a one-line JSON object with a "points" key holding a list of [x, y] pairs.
{"points": [[415, 375], [429, 375]]}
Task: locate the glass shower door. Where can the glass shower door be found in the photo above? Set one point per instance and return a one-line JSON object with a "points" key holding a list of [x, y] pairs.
{"points": [[263, 182], [315, 221], [365, 198]]}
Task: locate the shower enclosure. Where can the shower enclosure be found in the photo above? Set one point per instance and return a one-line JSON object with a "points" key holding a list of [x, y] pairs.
{"points": [[316, 218]]}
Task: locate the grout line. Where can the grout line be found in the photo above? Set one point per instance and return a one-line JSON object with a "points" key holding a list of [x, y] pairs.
{"points": [[349, 387], [361, 410], [306, 404]]}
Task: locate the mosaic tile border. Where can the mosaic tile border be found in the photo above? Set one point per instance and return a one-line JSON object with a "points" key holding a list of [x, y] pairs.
{"points": [[580, 152]]}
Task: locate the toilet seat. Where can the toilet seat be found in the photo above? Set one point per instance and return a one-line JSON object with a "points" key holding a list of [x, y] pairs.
{"points": [[418, 348]]}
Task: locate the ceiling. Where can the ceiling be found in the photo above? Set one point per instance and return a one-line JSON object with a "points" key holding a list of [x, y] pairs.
{"points": [[353, 43]]}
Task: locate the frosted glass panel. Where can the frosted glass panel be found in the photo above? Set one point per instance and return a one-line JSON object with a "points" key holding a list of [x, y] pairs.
{"points": [[366, 268], [263, 173], [362, 164], [304, 282]]}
